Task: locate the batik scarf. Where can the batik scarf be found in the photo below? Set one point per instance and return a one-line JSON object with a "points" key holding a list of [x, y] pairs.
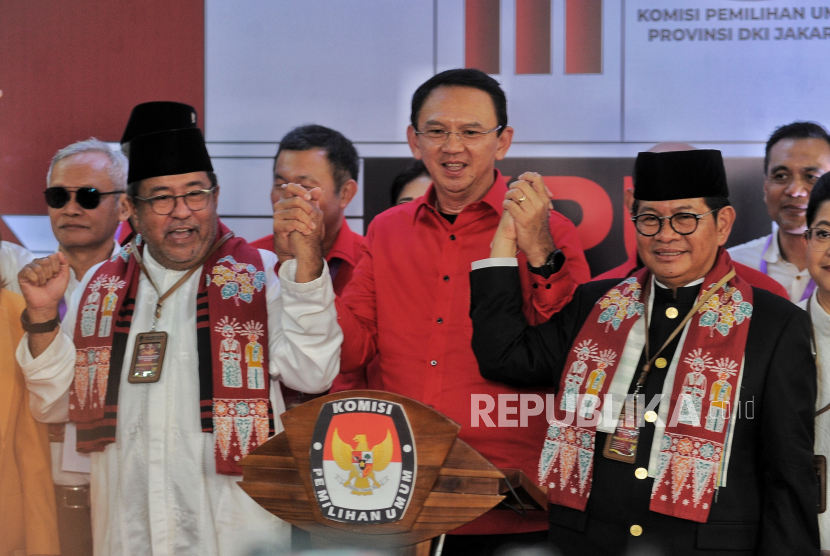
{"points": [[708, 375], [230, 303]]}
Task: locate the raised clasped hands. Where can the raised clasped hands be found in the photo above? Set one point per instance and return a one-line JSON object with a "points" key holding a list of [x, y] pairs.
{"points": [[527, 206], [299, 230]]}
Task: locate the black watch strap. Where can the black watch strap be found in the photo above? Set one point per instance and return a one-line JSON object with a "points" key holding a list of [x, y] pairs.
{"points": [[38, 327], [554, 262]]}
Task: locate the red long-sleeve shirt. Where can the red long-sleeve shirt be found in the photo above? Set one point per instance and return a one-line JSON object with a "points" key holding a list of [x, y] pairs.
{"points": [[409, 302]]}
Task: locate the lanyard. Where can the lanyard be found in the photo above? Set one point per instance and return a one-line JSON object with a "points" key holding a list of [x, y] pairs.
{"points": [[701, 302], [811, 285], [181, 281]]}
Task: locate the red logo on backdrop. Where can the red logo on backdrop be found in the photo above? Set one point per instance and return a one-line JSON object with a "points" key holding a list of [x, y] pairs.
{"points": [[363, 461]]}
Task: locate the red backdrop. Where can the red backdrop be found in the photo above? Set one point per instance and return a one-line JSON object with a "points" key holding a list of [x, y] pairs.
{"points": [[73, 69]]}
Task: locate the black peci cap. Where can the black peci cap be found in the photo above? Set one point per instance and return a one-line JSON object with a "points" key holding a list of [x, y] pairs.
{"points": [[679, 175], [168, 153], [152, 117]]}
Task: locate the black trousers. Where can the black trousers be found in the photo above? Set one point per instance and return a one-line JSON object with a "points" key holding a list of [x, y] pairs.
{"points": [[496, 545]]}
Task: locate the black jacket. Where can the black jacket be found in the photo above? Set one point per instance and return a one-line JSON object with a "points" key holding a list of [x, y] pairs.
{"points": [[768, 505]]}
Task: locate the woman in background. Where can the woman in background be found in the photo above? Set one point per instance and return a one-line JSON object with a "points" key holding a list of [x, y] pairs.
{"points": [[818, 306], [28, 522]]}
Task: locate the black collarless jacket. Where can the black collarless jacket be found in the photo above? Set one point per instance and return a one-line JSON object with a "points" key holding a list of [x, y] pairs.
{"points": [[768, 506]]}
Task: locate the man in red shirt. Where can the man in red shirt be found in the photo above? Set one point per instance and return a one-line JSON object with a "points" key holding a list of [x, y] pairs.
{"points": [[318, 157], [409, 298]]}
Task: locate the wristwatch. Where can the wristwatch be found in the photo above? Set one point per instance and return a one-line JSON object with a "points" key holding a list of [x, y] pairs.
{"points": [[551, 266], [38, 327]]}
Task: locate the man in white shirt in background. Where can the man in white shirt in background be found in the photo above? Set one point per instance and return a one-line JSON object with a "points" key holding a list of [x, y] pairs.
{"points": [[797, 154], [165, 438]]}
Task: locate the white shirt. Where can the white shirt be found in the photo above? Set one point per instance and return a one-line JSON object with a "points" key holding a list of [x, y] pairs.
{"points": [[13, 257], [821, 329], [785, 273], [155, 489], [60, 476]]}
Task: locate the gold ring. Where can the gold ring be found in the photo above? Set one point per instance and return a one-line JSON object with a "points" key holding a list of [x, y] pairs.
{"points": [[522, 198]]}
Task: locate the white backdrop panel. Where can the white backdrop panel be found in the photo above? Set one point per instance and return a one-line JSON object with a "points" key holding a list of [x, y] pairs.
{"points": [[245, 185], [722, 90], [554, 107], [271, 66]]}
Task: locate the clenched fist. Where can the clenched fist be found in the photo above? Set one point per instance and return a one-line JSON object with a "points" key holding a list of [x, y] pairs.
{"points": [[43, 283]]}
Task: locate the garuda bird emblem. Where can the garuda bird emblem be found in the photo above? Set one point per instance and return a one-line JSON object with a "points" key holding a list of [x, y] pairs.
{"points": [[361, 462]]}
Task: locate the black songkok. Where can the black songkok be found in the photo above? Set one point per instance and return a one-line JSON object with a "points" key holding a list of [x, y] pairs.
{"points": [[168, 153], [679, 175], [152, 117]]}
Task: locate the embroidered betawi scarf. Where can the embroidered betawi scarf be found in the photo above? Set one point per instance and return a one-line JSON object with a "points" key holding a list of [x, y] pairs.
{"points": [[709, 368], [230, 303]]}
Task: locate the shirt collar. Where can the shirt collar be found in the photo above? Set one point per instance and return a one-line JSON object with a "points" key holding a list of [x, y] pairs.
{"points": [[697, 282], [75, 280], [821, 320], [772, 254], [494, 197], [345, 247]]}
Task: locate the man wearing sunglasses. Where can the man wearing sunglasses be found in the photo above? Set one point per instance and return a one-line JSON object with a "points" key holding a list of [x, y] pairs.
{"points": [[85, 187], [148, 360], [683, 415]]}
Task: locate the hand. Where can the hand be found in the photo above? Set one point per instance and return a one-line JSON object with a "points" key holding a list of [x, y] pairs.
{"points": [[504, 242], [308, 249], [299, 230], [43, 283], [293, 213], [529, 203]]}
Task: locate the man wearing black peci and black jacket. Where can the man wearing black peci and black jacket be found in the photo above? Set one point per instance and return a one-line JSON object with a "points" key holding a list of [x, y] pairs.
{"points": [[682, 422]]}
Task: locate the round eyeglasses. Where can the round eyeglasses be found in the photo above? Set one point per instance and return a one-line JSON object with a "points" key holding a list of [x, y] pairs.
{"points": [[684, 223], [818, 239], [441, 136], [195, 200], [87, 198]]}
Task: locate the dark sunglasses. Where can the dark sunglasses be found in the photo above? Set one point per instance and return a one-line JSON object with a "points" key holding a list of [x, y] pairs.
{"points": [[87, 197]]}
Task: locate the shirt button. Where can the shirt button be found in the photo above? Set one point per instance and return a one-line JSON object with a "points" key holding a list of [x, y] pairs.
{"points": [[651, 416], [446, 278], [535, 286], [547, 286], [452, 237], [798, 277], [661, 363], [635, 530], [641, 473], [671, 312], [440, 320], [433, 362]]}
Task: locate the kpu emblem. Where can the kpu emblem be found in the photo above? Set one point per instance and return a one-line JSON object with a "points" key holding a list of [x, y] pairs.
{"points": [[363, 461]]}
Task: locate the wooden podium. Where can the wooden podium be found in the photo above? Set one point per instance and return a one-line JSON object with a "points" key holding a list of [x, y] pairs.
{"points": [[372, 469]]}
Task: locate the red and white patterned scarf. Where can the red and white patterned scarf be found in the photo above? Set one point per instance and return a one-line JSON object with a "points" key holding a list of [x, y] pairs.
{"points": [[705, 388], [230, 303]]}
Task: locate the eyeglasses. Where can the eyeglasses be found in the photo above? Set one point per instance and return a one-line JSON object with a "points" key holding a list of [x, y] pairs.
{"points": [[818, 239], [684, 223], [87, 197], [163, 205], [467, 136]]}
